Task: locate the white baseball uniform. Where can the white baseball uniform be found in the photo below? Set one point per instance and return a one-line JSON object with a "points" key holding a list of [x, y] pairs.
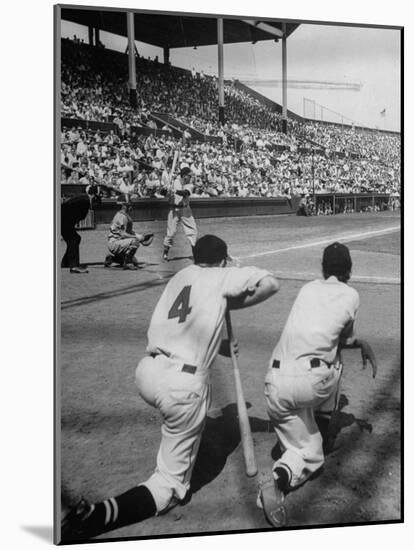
{"points": [[180, 211], [304, 372], [184, 337]]}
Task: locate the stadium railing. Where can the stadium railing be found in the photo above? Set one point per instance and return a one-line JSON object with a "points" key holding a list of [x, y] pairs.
{"points": [[358, 202], [94, 125]]}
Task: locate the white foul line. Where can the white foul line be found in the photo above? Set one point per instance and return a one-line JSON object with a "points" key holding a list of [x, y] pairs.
{"points": [[348, 237], [355, 278]]}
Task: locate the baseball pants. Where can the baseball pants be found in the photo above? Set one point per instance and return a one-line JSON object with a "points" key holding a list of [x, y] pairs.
{"points": [[118, 247], [175, 217], [183, 399], [294, 392]]}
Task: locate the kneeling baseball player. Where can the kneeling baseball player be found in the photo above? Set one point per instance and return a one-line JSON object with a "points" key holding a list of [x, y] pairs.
{"points": [[301, 386], [184, 338], [123, 242]]}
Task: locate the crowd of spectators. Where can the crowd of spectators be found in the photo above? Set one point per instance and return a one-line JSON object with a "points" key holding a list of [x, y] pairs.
{"points": [[94, 87], [252, 158], [143, 162], [364, 143]]}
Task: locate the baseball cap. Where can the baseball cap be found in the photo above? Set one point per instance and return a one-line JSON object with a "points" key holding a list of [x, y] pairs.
{"points": [[336, 259], [210, 249]]}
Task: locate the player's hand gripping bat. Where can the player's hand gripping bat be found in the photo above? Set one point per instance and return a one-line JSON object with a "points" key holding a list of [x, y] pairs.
{"points": [[244, 424]]}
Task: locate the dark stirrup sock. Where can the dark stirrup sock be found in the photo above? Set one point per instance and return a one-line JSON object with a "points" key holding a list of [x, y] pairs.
{"points": [[130, 507]]}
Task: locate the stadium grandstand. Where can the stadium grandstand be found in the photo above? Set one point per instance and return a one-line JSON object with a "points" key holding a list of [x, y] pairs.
{"points": [[237, 143]]}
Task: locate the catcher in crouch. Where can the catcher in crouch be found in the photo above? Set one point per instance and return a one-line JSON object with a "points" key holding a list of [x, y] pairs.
{"points": [[301, 386], [123, 242]]}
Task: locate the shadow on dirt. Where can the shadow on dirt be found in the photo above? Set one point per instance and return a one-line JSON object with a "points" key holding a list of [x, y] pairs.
{"points": [[339, 421], [119, 266], [177, 258], [114, 293], [220, 438], [359, 499]]}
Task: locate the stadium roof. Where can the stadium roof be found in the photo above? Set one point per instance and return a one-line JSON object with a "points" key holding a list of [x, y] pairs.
{"points": [[177, 30]]}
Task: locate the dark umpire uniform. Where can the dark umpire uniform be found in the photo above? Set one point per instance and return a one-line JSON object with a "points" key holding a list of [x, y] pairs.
{"points": [[73, 211]]}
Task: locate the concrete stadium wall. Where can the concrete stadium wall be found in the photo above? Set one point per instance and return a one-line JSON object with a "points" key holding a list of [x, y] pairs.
{"points": [[150, 209], [157, 209]]}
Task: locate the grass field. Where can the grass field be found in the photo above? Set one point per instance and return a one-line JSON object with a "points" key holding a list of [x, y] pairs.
{"points": [[109, 437]]}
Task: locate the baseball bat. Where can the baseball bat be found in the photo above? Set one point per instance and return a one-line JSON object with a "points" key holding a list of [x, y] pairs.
{"points": [[175, 159], [244, 424]]}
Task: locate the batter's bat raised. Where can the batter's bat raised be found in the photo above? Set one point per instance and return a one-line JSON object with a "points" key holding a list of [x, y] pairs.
{"points": [[244, 424], [175, 159]]}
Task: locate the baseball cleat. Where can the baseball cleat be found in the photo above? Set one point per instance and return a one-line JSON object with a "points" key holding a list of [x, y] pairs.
{"points": [[135, 263], [78, 270], [108, 260], [172, 504], [75, 525], [130, 266], [270, 499], [165, 256]]}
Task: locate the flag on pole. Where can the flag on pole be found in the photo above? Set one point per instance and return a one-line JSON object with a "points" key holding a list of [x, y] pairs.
{"points": [[382, 113]]}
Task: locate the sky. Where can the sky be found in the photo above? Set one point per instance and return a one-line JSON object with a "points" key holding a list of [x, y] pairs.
{"points": [[362, 56]]}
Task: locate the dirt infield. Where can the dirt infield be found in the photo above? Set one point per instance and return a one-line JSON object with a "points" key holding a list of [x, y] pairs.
{"points": [[110, 437]]}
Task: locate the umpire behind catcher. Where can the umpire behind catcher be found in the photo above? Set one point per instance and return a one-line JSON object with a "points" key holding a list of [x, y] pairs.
{"points": [[73, 211]]}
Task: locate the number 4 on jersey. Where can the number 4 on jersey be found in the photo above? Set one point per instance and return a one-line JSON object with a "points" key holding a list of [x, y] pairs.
{"points": [[181, 306]]}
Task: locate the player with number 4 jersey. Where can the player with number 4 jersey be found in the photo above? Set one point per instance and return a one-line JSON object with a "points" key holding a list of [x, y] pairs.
{"points": [[184, 337], [188, 319]]}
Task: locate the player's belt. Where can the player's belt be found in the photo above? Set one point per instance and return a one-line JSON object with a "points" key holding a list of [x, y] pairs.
{"points": [[315, 362], [190, 369]]}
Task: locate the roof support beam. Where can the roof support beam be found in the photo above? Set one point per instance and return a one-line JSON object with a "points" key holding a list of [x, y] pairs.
{"points": [[132, 72], [265, 27], [90, 35], [284, 80], [220, 37]]}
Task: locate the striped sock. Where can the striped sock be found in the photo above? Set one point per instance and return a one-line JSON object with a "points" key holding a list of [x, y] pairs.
{"points": [[132, 506], [111, 511]]}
